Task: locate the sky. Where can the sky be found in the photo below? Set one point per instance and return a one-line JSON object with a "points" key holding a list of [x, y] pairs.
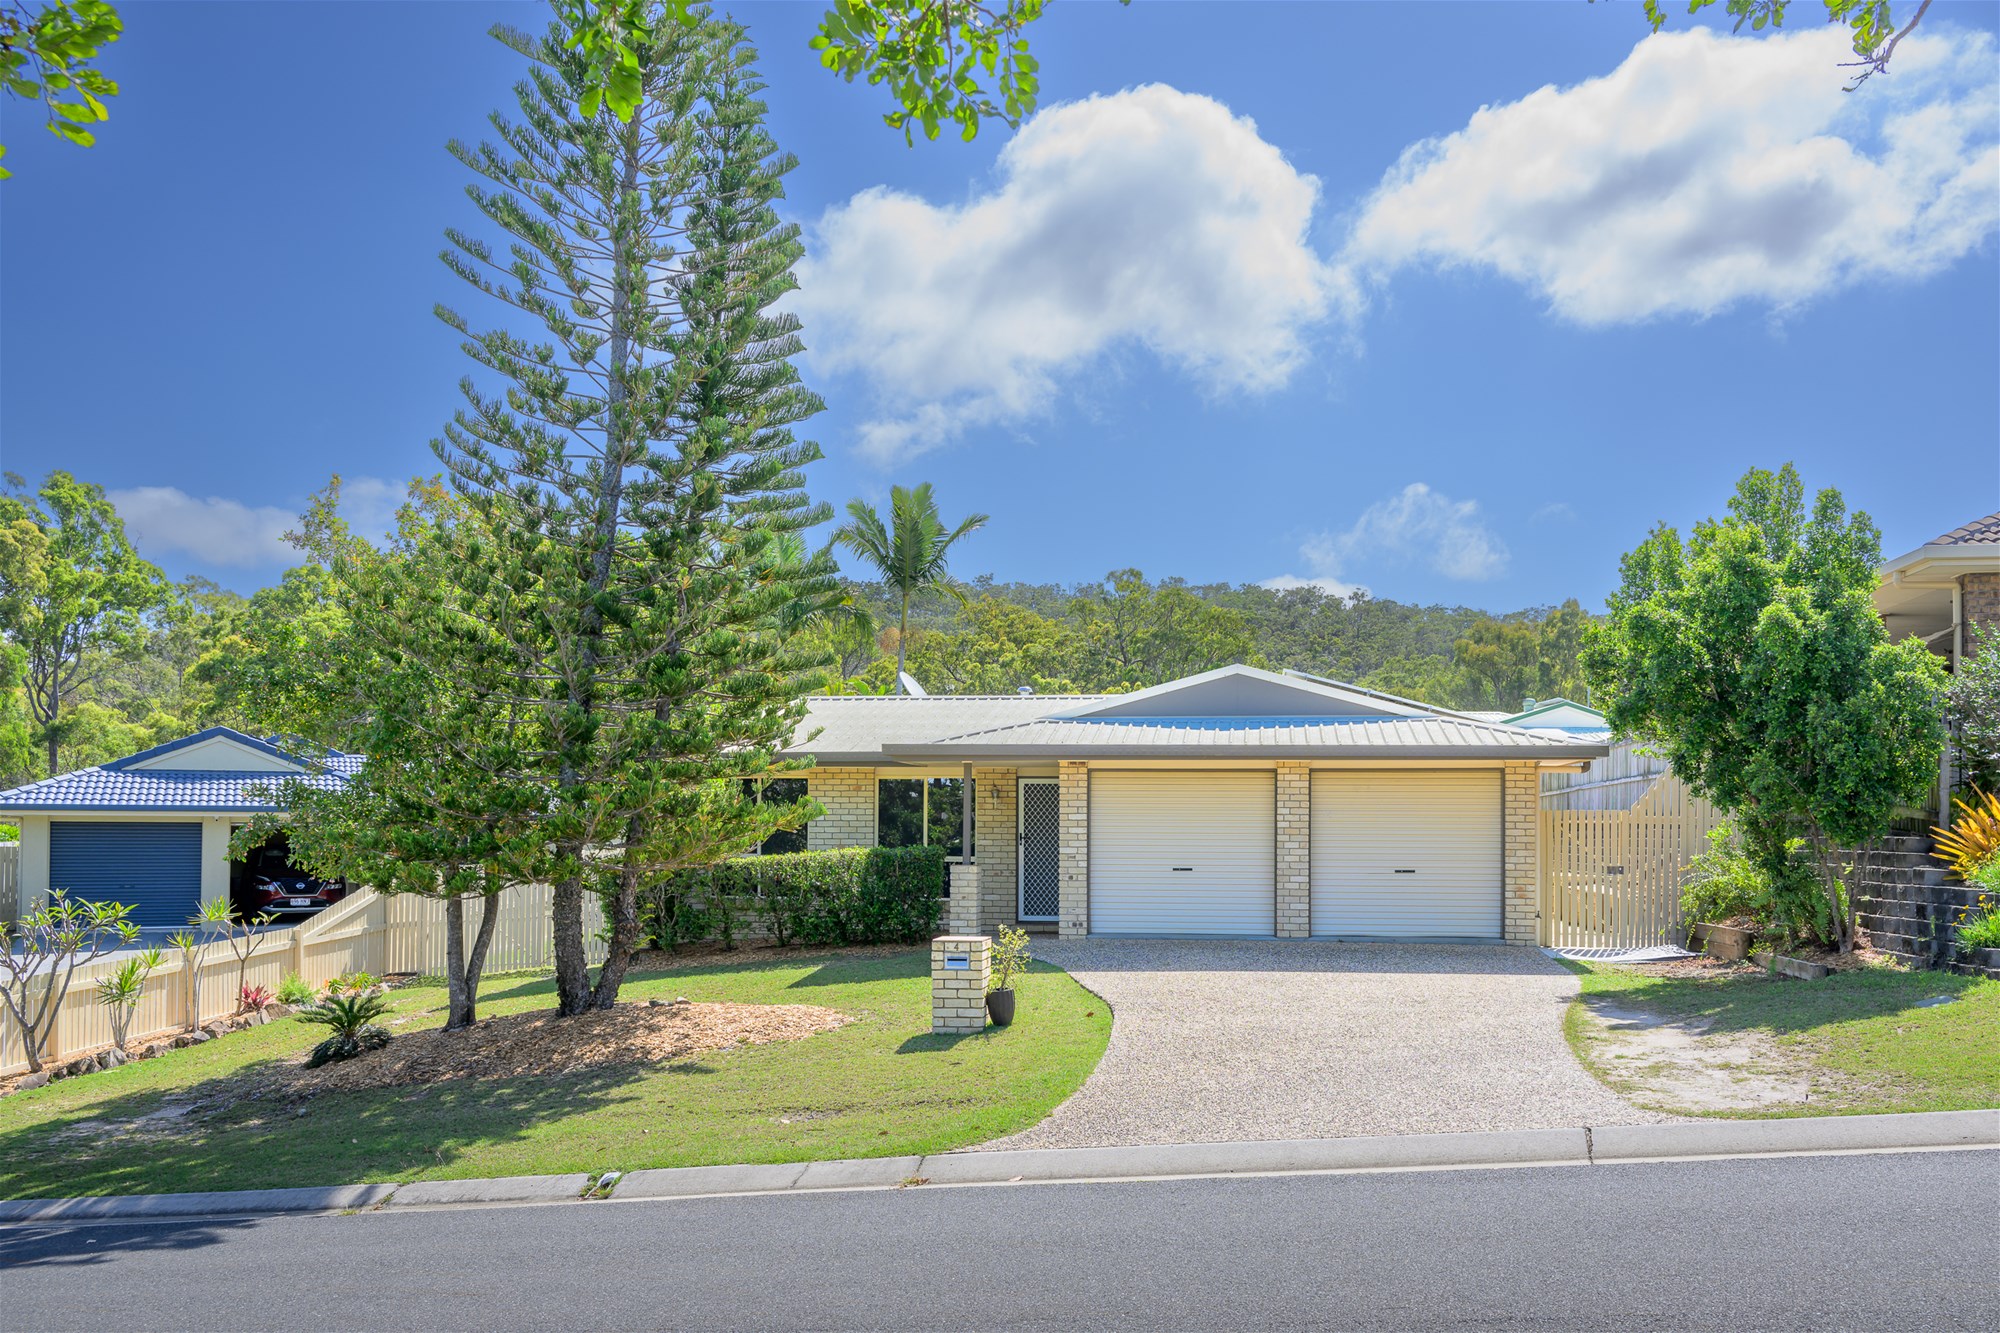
{"points": [[1453, 302]]}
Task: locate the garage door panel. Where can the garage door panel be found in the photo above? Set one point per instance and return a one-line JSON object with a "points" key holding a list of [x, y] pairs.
{"points": [[153, 868], [1407, 855], [1183, 853]]}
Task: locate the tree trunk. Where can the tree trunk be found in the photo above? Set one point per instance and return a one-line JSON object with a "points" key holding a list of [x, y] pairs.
{"points": [[624, 923], [902, 641], [475, 963], [572, 967], [457, 1003], [573, 993]]}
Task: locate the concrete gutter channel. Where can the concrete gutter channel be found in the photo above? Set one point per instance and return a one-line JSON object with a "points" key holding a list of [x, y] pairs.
{"points": [[1590, 1146]]}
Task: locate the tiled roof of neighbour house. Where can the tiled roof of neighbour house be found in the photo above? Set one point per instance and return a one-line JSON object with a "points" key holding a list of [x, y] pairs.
{"points": [[1979, 531], [854, 728], [1434, 737], [110, 789]]}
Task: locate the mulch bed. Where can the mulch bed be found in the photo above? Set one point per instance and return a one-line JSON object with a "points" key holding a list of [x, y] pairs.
{"points": [[539, 1044]]}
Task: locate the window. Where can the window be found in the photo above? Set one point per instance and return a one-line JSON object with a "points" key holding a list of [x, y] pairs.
{"points": [[783, 791], [911, 812]]}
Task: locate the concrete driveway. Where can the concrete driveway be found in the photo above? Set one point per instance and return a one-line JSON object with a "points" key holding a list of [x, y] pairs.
{"points": [[1281, 1039]]}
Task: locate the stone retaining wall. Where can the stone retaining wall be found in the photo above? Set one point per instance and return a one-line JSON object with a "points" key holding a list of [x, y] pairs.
{"points": [[1906, 906]]}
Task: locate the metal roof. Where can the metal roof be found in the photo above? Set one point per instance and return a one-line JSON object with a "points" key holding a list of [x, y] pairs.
{"points": [[854, 728], [1437, 737]]}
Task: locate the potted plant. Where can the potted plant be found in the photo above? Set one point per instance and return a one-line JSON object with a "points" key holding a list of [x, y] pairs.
{"points": [[1010, 955]]}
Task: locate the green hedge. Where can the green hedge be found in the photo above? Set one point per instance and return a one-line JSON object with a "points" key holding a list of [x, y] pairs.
{"points": [[855, 895]]}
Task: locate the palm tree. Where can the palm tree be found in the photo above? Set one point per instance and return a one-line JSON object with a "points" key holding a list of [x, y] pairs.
{"points": [[909, 553]]}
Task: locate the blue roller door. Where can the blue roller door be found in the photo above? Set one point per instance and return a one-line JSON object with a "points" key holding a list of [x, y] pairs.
{"points": [[153, 868]]}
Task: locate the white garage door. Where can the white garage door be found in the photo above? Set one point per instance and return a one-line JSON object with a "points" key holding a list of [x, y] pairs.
{"points": [[1406, 855], [1183, 853]]}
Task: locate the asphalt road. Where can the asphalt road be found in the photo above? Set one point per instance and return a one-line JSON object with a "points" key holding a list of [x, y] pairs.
{"points": [[1875, 1242]]}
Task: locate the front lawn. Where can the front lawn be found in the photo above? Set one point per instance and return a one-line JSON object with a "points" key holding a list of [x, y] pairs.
{"points": [[1739, 1042], [203, 1118]]}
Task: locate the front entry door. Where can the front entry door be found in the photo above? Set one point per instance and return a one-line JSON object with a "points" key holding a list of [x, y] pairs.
{"points": [[1040, 887]]}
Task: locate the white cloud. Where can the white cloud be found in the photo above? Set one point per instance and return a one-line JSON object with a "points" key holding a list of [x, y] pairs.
{"points": [[1705, 172], [220, 531], [1414, 526], [1554, 511], [1148, 218]]}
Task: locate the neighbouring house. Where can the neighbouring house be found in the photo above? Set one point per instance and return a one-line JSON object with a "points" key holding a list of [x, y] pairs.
{"points": [[1237, 802], [1940, 593], [152, 829]]}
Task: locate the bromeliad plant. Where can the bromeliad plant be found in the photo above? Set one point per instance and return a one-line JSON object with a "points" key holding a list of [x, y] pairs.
{"points": [[121, 992], [352, 1017], [1973, 839]]}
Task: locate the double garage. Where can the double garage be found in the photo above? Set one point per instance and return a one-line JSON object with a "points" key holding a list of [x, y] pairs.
{"points": [[1394, 853]]}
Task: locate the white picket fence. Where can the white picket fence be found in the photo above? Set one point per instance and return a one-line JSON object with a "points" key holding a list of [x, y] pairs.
{"points": [[1613, 861], [369, 932]]}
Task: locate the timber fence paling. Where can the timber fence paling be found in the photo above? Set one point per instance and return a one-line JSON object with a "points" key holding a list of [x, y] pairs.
{"points": [[363, 932], [1611, 878]]}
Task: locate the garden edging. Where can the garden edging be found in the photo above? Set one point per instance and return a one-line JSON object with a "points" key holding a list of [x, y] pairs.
{"points": [[1582, 1146]]}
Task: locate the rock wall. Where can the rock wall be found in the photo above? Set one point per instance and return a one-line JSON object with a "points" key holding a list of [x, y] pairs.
{"points": [[1905, 905]]}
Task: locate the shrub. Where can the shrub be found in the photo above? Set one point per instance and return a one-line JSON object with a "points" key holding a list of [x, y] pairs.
{"points": [[253, 999], [295, 990], [1729, 880], [1987, 876], [853, 895], [1979, 928], [121, 992], [1010, 956], [352, 1017]]}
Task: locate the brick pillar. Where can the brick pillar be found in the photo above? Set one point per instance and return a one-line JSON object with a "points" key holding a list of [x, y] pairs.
{"points": [[996, 829], [849, 797], [1979, 600], [1074, 779], [958, 993], [1294, 849], [1522, 822], [961, 913]]}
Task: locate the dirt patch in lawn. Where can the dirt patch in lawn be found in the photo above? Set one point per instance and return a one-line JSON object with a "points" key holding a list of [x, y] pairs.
{"points": [[541, 1045], [1680, 1064]]}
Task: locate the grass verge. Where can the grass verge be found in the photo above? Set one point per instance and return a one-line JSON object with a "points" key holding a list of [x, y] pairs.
{"points": [[1855, 1043], [882, 1085]]}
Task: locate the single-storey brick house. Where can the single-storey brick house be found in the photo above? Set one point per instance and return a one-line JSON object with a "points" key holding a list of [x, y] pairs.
{"points": [[1237, 802], [152, 829]]}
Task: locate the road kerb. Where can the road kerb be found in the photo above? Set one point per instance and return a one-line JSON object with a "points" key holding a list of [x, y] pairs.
{"points": [[214, 1203], [1833, 1133], [499, 1189]]}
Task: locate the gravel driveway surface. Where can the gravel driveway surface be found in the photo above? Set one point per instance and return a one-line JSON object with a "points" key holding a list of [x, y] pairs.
{"points": [[1215, 1040]]}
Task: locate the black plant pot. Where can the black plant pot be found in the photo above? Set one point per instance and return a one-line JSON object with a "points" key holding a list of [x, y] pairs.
{"points": [[1000, 1006]]}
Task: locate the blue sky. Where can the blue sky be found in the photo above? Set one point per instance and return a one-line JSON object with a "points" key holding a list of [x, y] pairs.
{"points": [[1263, 294]]}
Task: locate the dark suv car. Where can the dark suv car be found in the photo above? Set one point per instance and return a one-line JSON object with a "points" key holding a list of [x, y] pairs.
{"points": [[272, 886]]}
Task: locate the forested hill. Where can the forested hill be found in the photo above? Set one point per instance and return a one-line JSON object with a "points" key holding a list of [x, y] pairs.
{"points": [[1127, 632]]}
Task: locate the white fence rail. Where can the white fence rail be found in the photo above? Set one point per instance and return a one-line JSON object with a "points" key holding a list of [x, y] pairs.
{"points": [[365, 932]]}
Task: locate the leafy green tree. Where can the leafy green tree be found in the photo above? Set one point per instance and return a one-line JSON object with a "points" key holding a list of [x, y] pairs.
{"points": [[17, 736], [1003, 648], [1751, 656], [73, 592], [1973, 707], [1141, 634], [436, 809], [1875, 31], [267, 673], [1427, 679], [636, 469], [45, 57], [911, 552]]}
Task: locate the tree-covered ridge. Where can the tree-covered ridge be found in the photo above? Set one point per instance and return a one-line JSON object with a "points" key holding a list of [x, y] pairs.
{"points": [[1127, 631]]}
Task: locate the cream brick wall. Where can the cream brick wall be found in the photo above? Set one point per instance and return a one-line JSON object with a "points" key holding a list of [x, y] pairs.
{"points": [[1074, 778], [961, 916], [1294, 849], [958, 995], [1522, 821], [996, 826], [849, 797]]}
